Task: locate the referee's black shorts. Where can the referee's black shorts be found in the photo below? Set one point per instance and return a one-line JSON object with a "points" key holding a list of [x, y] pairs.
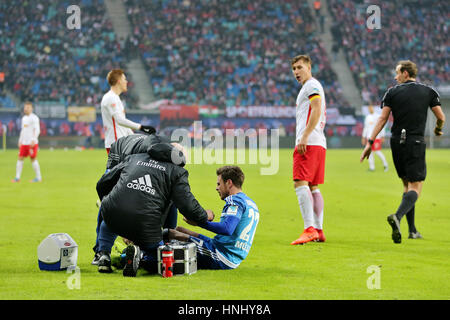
{"points": [[409, 158]]}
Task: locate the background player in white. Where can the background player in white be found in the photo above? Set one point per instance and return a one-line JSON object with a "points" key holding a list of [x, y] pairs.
{"points": [[115, 124], [310, 150], [28, 142], [369, 123]]}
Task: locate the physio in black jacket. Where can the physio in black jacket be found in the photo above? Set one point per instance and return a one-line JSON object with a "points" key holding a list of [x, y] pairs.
{"points": [[120, 149], [135, 196]]}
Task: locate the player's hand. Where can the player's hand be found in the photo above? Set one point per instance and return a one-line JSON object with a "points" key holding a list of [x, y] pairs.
{"points": [[32, 144], [179, 234], [301, 147], [174, 234], [366, 152], [438, 131], [210, 214], [147, 129]]}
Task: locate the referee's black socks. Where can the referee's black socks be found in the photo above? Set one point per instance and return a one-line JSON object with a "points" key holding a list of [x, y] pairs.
{"points": [[410, 218], [408, 201]]}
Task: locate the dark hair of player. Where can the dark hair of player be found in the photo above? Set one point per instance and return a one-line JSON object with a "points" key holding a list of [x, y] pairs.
{"points": [[234, 173]]}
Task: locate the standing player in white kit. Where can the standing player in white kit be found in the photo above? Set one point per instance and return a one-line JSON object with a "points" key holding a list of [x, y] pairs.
{"points": [[369, 124], [310, 150], [115, 124], [28, 142]]}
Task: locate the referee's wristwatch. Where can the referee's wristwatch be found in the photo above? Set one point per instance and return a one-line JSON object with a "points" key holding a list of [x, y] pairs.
{"points": [[370, 141]]}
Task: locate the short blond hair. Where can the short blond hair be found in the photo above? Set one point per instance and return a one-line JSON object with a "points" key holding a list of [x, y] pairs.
{"points": [[114, 76], [303, 57]]}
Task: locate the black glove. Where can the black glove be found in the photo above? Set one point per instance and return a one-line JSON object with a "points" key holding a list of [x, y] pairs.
{"points": [[438, 131], [147, 129]]}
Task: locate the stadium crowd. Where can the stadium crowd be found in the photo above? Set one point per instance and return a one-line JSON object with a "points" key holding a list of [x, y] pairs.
{"points": [[200, 52], [228, 52], [418, 30], [43, 60]]}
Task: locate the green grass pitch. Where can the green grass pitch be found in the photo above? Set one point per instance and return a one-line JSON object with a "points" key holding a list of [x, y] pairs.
{"points": [[357, 203]]}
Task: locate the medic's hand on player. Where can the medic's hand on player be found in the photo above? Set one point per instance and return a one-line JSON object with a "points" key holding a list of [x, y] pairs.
{"points": [[366, 152], [301, 147], [210, 214]]}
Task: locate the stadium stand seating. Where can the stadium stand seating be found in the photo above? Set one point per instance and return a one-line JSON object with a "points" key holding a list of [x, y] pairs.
{"points": [[418, 30], [6, 102], [226, 52], [45, 61]]}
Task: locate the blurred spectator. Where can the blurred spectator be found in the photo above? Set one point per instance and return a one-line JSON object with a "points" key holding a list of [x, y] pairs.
{"points": [[317, 5], [64, 129]]}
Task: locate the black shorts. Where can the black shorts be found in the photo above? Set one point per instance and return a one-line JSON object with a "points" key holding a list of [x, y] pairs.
{"points": [[409, 158]]}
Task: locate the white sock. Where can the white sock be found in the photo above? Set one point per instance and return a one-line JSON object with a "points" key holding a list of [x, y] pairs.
{"points": [[318, 209], [19, 167], [371, 161], [37, 169], [382, 157], [305, 202]]}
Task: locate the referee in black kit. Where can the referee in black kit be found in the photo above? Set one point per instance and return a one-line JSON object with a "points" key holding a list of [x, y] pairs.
{"points": [[409, 102]]}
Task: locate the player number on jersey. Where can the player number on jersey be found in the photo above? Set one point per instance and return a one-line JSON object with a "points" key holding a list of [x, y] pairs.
{"points": [[245, 234]]}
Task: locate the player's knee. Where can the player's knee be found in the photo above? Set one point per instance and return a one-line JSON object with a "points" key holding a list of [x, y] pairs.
{"points": [[299, 183], [415, 186]]}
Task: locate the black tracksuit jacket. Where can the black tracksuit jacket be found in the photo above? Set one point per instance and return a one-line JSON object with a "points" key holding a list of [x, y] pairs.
{"points": [[136, 194], [132, 144]]}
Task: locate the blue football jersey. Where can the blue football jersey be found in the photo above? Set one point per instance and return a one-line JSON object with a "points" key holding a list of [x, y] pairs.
{"points": [[235, 248]]}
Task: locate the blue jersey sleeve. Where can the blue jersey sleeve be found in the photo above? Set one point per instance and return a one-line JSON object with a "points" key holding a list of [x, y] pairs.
{"points": [[225, 227], [231, 215]]}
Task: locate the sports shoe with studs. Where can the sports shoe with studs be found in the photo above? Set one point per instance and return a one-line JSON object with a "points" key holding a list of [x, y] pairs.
{"points": [[415, 235], [96, 259], [132, 258], [395, 225], [104, 263], [309, 234], [321, 235]]}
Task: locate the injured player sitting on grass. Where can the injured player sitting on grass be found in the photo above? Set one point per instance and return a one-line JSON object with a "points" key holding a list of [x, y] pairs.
{"points": [[235, 231]]}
